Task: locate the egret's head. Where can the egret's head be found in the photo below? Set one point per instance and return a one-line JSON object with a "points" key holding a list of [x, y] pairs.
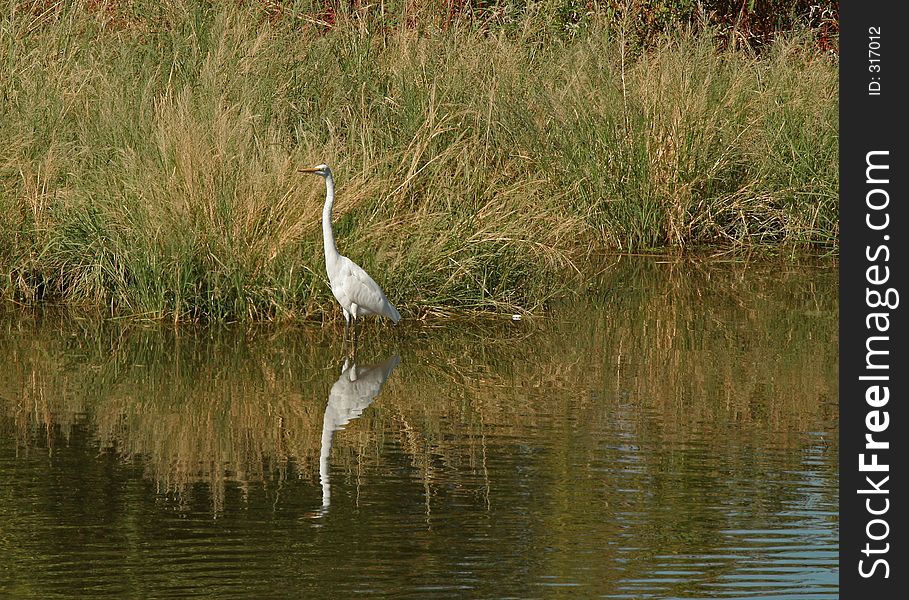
{"points": [[322, 170]]}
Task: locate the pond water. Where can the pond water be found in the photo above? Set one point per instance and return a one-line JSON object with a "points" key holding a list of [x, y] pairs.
{"points": [[673, 434]]}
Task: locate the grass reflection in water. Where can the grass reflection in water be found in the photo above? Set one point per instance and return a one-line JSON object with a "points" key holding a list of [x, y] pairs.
{"points": [[662, 444]]}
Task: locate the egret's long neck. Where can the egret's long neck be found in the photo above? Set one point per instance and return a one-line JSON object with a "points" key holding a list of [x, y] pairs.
{"points": [[328, 236]]}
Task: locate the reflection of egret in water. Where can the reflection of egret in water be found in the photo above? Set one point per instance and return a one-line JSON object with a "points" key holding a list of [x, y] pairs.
{"points": [[354, 390]]}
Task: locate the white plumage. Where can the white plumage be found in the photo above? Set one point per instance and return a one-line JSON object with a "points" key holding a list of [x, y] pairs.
{"points": [[353, 288]]}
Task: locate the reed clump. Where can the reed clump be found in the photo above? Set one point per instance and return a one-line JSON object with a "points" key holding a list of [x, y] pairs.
{"points": [[150, 153]]}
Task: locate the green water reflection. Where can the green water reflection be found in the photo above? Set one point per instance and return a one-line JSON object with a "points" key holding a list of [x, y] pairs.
{"points": [[674, 434]]}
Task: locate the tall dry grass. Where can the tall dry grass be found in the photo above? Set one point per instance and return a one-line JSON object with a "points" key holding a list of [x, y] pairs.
{"points": [[150, 156]]}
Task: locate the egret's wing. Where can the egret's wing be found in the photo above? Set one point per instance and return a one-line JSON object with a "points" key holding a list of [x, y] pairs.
{"points": [[363, 291]]}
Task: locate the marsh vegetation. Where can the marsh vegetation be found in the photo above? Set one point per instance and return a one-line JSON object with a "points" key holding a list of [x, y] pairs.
{"points": [[150, 153]]}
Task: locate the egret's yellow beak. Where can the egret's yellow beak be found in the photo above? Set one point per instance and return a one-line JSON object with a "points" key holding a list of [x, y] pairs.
{"points": [[309, 170]]}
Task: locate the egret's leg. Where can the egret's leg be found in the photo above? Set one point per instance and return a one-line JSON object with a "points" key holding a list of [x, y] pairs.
{"points": [[346, 322], [346, 329], [354, 313]]}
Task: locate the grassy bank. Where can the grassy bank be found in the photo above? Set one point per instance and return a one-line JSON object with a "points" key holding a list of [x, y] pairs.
{"points": [[149, 156]]}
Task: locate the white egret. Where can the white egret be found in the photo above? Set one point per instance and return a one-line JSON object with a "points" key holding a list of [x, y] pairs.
{"points": [[354, 289]]}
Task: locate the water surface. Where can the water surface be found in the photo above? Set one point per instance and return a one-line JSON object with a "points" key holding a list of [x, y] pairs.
{"points": [[673, 434]]}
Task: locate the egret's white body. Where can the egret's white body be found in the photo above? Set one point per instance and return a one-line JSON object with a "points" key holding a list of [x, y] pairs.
{"points": [[353, 288], [350, 395]]}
